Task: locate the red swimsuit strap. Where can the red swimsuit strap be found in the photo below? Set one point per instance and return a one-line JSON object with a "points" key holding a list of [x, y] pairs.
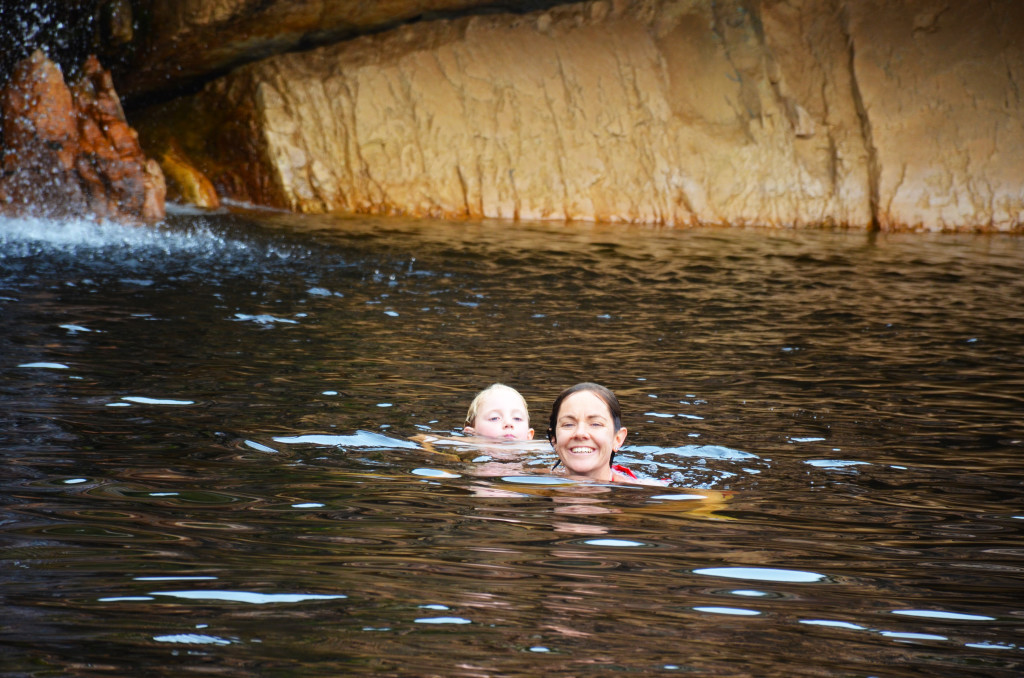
{"points": [[623, 470]]}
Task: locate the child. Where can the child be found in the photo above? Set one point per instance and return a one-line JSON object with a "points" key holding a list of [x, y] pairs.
{"points": [[497, 433], [498, 414], [498, 411]]}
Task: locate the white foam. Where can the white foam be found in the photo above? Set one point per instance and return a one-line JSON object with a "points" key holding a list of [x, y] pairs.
{"points": [[367, 439], [247, 596]]}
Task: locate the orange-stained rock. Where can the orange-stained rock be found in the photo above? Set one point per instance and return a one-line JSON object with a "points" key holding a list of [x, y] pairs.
{"points": [[185, 181], [119, 176], [70, 151], [785, 113], [39, 138]]}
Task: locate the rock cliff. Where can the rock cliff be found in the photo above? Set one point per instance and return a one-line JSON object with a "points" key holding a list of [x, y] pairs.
{"points": [[69, 150], [858, 113], [784, 113]]}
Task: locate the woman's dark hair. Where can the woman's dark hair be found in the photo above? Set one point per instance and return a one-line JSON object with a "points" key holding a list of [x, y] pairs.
{"points": [[601, 392]]}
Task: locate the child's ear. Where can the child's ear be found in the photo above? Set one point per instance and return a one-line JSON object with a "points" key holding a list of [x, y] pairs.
{"points": [[529, 434], [469, 430]]}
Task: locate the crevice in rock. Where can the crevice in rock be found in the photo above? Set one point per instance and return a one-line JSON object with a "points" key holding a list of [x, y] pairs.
{"points": [[560, 140], [465, 190], [874, 171], [736, 24]]}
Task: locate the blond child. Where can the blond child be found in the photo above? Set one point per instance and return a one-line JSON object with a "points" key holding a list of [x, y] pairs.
{"points": [[498, 411], [497, 433]]}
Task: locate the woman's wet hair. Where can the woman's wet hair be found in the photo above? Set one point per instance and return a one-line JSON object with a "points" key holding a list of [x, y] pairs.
{"points": [[601, 392]]}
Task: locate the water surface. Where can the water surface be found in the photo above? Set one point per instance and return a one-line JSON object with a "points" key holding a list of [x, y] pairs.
{"points": [[210, 460]]}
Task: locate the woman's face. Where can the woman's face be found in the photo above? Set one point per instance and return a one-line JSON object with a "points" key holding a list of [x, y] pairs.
{"points": [[585, 436]]}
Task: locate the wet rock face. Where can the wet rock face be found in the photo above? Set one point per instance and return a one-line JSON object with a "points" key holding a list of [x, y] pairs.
{"points": [[797, 113], [69, 151]]}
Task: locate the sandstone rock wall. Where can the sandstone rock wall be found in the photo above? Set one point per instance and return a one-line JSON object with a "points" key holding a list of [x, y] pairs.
{"points": [[940, 85], [790, 113]]}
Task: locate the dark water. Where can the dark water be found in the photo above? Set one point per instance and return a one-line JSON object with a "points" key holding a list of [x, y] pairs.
{"points": [[209, 468]]}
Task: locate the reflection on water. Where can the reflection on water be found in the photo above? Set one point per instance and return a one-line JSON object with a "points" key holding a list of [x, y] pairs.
{"points": [[214, 460]]}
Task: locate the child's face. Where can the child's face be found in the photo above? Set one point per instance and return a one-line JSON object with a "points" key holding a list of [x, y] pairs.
{"points": [[503, 415]]}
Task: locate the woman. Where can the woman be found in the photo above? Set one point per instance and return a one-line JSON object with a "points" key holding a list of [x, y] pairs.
{"points": [[586, 430]]}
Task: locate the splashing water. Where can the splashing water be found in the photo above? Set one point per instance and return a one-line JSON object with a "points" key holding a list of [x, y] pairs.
{"points": [[181, 245]]}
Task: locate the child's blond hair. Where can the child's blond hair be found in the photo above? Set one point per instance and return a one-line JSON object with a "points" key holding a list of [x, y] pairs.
{"points": [[474, 407]]}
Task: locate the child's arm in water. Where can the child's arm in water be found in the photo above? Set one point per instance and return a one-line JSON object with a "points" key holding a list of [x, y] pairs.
{"points": [[481, 449]]}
